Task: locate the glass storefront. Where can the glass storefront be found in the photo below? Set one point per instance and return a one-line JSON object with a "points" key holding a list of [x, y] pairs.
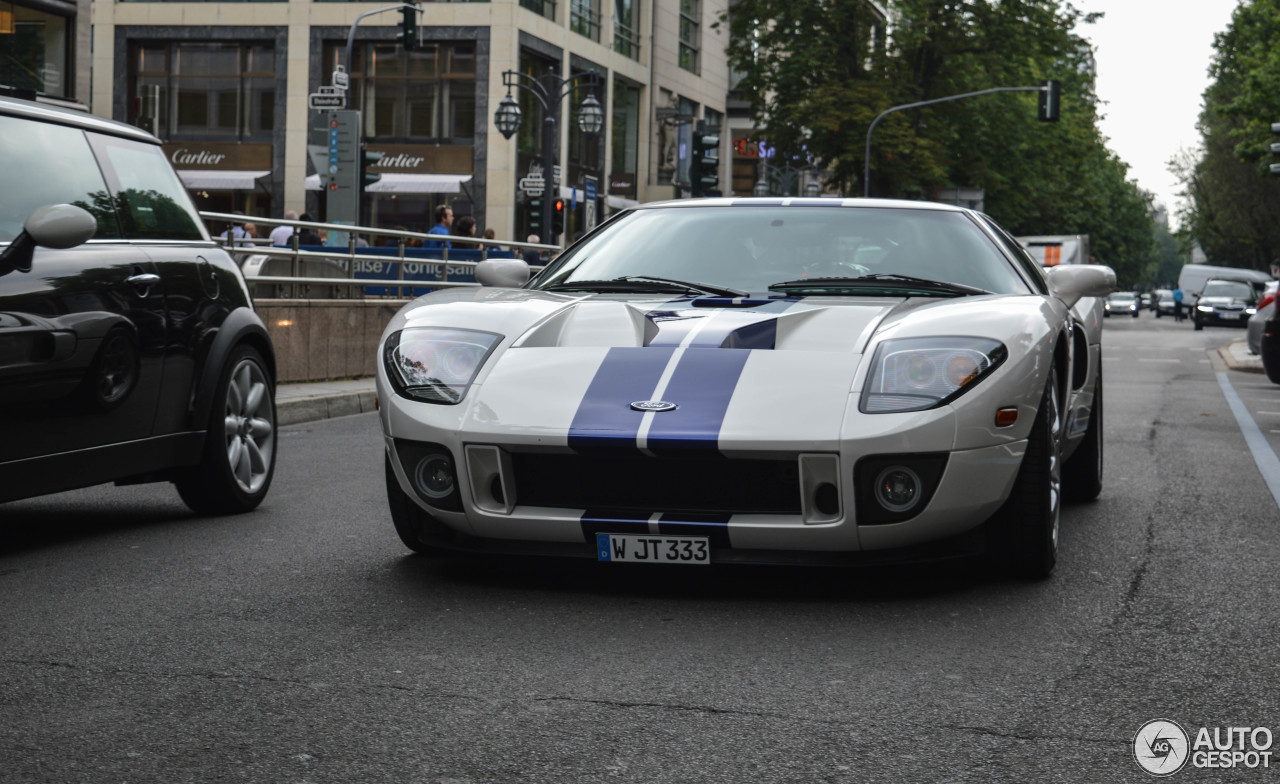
{"points": [[203, 90], [33, 50]]}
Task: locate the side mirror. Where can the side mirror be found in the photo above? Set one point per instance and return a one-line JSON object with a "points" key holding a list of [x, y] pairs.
{"points": [[502, 273], [1071, 282], [58, 226]]}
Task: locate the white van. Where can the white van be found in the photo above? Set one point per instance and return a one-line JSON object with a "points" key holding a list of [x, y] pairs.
{"points": [[1194, 276]]}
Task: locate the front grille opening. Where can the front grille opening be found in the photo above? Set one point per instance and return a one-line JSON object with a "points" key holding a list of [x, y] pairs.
{"points": [[635, 482]]}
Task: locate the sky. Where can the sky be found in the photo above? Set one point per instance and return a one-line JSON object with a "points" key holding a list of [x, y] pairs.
{"points": [[1153, 59]]}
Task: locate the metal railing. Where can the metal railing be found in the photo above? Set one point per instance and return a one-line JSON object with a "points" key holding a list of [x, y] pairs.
{"points": [[351, 256]]}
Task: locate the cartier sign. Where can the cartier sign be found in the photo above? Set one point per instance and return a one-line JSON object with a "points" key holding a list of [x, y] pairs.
{"points": [[219, 155]]}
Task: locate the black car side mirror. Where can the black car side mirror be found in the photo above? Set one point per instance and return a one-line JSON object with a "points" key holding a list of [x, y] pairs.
{"points": [[56, 226]]}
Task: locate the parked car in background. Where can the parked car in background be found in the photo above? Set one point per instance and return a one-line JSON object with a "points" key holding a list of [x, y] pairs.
{"points": [[1257, 322], [1225, 303], [1164, 302], [1121, 303], [733, 380], [129, 347], [1194, 277]]}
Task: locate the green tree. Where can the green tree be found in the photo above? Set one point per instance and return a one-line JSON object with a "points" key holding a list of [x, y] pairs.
{"points": [[818, 72], [1232, 203]]}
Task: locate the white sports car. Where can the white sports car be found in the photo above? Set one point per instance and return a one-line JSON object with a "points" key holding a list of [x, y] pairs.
{"points": [[751, 380]]}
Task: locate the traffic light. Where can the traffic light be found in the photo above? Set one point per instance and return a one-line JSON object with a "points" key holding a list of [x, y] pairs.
{"points": [[409, 26], [1275, 148], [1050, 92], [557, 218], [535, 216], [704, 167]]}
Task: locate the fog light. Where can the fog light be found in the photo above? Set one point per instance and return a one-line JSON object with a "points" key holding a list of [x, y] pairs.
{"points": [[433, 476], [898, 488]]}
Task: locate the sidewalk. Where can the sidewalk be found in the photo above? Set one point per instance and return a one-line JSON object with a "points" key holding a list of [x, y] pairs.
{"points": [[1236, 355], [309, 402]]}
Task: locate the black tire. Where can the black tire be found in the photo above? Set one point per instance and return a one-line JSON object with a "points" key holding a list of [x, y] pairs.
{"points": [[410, 519], [1022, 536], [1199, 326], [1158, 313], [1082, 474], [1270, 350], [239, 457]]}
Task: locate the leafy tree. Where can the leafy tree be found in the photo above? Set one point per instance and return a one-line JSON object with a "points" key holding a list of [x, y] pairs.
{"points": [[1231, 201], [818, 72]]}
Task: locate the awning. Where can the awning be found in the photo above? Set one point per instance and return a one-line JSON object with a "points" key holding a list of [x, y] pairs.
{"points": [[220, 179], [408, 183]]}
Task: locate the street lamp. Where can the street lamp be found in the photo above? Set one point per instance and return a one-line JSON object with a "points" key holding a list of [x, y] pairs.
{"points": [[508, 117], [549, 90]]}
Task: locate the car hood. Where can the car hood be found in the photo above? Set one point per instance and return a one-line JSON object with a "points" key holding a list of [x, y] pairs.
{"points": [[612, 371], [1225, 302]]}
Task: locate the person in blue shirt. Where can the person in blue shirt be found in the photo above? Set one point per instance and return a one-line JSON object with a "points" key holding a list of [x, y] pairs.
{"points": [[1177, 304], [444, 220]]}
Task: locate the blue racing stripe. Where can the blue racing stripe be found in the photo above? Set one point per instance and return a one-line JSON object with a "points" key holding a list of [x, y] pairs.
{"points": [[605, 419], [701, 387]]}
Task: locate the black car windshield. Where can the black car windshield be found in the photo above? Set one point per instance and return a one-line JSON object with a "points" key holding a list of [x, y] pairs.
{"points": [[749, 247], [1228, 288]]}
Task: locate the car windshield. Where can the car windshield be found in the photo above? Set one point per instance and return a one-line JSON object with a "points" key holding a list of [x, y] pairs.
{"points": [[847, 251], [1120, 298], [1227, 288]]}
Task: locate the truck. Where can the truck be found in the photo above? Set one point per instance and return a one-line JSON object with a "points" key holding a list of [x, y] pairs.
{"points": [[1054, 249]]}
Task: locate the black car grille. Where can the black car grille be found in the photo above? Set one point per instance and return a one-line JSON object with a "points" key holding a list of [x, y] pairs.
{"points": [[634, 482]]}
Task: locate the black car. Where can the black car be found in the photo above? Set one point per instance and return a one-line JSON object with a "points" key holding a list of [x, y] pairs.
{"points": [[1225, 302], [129, 347]]}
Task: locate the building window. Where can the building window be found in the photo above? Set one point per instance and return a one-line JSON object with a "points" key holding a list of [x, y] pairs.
{"points": [[425, 94], [203, 89], [625, 129], [584, 18], [626, 28], [545, 8], [690, 34], [33, 51]]}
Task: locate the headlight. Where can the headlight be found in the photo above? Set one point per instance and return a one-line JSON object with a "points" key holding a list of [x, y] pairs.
{"points": [[1204, 308], [914, 374], [436, 364]]}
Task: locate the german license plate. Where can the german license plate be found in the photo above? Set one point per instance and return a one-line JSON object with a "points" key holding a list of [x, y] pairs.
{"points": [[1231, 315], [654, 549]]}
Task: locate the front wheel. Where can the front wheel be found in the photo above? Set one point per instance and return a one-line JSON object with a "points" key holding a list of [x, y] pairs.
{"points": [[1199, 325], [239, 457], [1022, 536]]}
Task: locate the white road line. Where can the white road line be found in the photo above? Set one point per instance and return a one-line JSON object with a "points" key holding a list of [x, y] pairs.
{"points": [[1146, 359], [1268, 413], [1263, 456]]}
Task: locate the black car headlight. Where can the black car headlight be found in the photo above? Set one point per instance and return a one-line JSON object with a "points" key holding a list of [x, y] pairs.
{"points": [[914, 374], [436, 364]]}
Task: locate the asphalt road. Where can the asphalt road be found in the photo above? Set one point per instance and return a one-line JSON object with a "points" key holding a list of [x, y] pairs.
{"points": [[302, 643]]}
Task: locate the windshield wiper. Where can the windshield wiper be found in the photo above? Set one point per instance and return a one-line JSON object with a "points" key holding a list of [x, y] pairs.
{"points": [[705, 288], [639, 283], [883, 281]]}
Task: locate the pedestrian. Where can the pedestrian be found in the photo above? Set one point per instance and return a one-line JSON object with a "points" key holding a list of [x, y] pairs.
{"points": [[444, 220], [281, 235], [532, 255], [308, 236], [251, 234], [1177, 305], [464, 227]]}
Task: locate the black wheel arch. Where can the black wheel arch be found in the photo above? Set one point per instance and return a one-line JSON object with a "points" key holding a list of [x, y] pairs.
{"points": [[242, 326]]}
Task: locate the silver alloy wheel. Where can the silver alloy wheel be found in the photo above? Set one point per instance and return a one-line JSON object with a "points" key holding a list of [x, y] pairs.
{"points": [[249, 426], [1055, 456]]}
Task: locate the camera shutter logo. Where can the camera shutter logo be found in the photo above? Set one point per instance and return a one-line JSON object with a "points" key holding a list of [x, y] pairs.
{"points": [[1161, 747]]}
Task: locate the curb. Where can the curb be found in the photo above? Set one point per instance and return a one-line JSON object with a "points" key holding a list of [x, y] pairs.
{"points": [[1240, 360], [297, 410]]}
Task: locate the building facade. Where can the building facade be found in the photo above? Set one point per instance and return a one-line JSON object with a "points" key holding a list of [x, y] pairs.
{"points": [[226, 86]]}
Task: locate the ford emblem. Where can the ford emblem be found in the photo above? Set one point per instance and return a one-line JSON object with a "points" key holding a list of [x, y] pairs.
{"points": [[653, 405]]}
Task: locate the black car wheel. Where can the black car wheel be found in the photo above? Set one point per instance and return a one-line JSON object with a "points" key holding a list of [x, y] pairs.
{"points": [[1022, 536], [1082, 474], [410, 520], [240, 442]]}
